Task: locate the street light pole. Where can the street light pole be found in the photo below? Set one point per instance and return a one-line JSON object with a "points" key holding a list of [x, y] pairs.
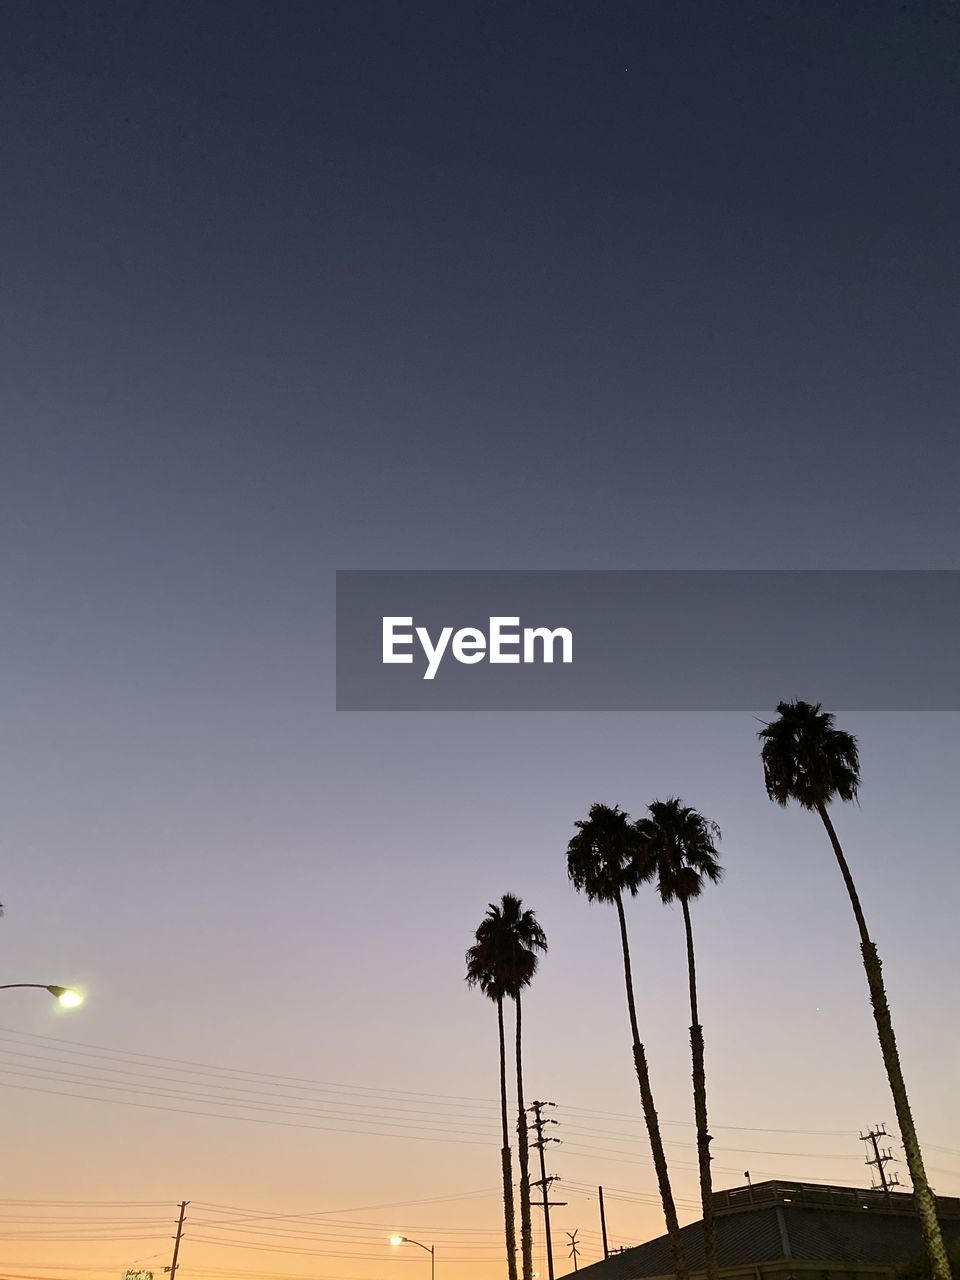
{"points": [[66, 995], [428, 1248]]}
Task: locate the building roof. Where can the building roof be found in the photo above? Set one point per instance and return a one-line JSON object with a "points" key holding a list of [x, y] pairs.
{"points": [[791, 1221]]}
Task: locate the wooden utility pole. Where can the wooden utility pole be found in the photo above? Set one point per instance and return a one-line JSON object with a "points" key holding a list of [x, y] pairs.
{"points": [[546, 1204], [172, 1269], [603, 1226], [880, 1158]]}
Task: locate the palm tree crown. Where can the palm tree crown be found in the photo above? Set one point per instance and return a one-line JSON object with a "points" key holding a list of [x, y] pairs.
{"points": [[680, 853], [504, 957], [501, 963], [604, 858], [680, 850], [806, 759]]}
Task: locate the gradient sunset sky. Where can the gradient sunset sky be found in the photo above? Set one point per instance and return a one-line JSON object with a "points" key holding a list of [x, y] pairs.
{"points": [[297, 287]]}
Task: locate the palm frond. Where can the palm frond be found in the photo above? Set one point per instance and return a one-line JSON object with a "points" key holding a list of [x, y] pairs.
{"points": [[604, 858], [805, 758], [504, 957], [679, 849]]}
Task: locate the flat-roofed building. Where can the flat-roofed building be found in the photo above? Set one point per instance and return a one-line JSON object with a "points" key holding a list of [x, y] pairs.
{"points": [[793, 1231]]}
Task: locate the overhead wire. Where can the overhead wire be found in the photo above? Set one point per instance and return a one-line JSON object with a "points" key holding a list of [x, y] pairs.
{"points": [[454, 1101], [91, 1071]]}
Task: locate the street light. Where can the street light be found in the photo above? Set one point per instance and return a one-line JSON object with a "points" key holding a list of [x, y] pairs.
{"points": [[427, 1247], [67, 996]]}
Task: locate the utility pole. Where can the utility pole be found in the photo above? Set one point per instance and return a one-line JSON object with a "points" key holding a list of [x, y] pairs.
{"points": [[172, 1269], [880, 1158], [574, 1251], [603, 1226], [546, 1204]]}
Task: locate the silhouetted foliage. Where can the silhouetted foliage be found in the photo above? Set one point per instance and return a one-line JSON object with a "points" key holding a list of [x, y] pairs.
{"points": [[523, 939], [679, 850], [504, 957], [605, 860], [808, 760], [680, 854], [501, 962]]}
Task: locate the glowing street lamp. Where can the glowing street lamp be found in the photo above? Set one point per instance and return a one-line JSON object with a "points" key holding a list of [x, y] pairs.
{"points": [[67, 996], [427, 1247]]}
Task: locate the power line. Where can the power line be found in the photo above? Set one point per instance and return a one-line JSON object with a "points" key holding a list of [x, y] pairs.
{"points": [[320, 1237], [456, 1101], [363, 1208], [80, 1047], [286, 1124], [295, 1102], [245, 1089], [139, 1204], [254, 1247], [243, 1092], [586, 1153], [271, 1100], [234, 1108]]}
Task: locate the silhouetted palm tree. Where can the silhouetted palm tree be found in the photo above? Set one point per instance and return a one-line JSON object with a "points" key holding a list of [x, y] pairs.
{"points": [[680, 853], [523, 939], [604, 861], [806, 759], [487, 969]]}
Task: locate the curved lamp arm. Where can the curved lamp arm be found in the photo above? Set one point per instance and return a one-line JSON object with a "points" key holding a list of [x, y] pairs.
{"points": [[428, 1248], [67, 996]]}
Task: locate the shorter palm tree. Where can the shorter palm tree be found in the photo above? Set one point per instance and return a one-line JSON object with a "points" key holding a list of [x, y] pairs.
{"points": [[486, 968], [524, 939], [680, 853], [605, 861]]}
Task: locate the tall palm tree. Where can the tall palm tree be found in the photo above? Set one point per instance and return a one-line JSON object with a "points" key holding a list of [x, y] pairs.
{"points": [[681, 854], [806, 759], [486, 969], [605, 861], [523, 939]]}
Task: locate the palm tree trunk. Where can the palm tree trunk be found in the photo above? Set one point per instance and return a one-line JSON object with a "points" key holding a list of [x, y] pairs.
{"points": [[650, 1111], [924, 1198], [509, 1221], [700, 1107], [526, 1226]]}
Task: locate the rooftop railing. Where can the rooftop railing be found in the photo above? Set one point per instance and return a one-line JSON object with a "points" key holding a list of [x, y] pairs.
{"points": [[824, 1197]]}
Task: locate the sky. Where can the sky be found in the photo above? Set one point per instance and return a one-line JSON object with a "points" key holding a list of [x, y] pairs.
{"points": [[315, 286]]}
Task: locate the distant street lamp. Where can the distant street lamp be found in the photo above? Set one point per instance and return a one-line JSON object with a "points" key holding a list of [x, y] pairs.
{"points": [[427, 1247], [67, 996]]}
